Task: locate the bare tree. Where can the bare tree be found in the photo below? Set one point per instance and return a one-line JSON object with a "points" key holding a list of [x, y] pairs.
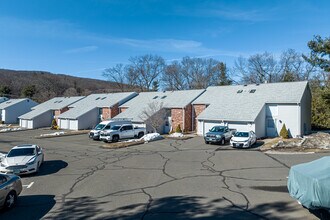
{"points": [[117, 74], [294, 67], [144, 70], [195, 73], [172, 77], [154, 115]]}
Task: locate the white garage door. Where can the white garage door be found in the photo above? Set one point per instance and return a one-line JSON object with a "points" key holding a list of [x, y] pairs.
{"points": [[240, 126], [73, 125], [64, 123], [30, 124], [23, 123]]}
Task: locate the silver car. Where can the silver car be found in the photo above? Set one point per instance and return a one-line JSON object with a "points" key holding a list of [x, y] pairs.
{"points": [[243, 139], [10, 188], [22, 159]]}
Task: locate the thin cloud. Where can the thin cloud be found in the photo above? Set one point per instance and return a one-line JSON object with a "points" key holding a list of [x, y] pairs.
{"points": [[81, 49]]}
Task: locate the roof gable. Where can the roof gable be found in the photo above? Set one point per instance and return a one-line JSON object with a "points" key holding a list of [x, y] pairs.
{"points": [[244, 102], [96, 101]]}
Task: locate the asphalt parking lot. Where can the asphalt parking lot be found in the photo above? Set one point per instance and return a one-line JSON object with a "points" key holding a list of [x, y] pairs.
{"points": [[166, 179]]}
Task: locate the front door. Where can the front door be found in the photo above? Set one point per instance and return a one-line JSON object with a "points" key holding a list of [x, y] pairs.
{"points": [[271, 127], [168, 125]]}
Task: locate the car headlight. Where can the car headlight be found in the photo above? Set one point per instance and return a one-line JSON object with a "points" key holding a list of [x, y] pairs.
{"points": [[3, 165], [218, 136], [31, 162]]}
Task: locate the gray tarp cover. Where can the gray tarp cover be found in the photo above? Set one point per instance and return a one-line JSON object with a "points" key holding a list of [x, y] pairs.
{"points": [[309, 183]]}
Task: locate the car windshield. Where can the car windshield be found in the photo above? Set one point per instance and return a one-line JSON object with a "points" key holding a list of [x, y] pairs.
{"points": [[21, 152], [241, 134], [115, 127], [217, 129], [99, 127]]}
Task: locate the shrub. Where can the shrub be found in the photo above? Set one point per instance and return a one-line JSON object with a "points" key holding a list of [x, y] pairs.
{"points": [[284, 132], [178, 129], [54, 125]]}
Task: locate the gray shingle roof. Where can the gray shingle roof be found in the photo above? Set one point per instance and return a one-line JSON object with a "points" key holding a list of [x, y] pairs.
{"points": [[11, 102], [96, 101], [169, 99], [52, 104], [225, 103]]}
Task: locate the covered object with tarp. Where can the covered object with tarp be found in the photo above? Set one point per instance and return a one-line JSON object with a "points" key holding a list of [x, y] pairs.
{"points": [[309, 183]]}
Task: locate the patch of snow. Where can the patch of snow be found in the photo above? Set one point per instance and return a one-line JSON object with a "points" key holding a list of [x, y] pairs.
{"points": [[281, 152], [10, 129], [53, 134], [151, 137], [176, 134]]}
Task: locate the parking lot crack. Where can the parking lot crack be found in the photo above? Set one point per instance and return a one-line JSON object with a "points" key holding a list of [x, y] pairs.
{"points": [[243, 209], [148, 205]]}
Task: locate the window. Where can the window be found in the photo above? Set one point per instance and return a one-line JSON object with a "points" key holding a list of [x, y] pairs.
{"points": [[127, 127], [252, 91], [3, 179], [155, 97], [103, 98], [164, 97], [240, 91], [97, 98]]}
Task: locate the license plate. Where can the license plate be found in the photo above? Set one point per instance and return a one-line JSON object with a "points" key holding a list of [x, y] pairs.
{"points": [[16, 171]]}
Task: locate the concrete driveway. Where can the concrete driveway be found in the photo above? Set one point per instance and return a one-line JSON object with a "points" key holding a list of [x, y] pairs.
{"points": [[167, 179]]}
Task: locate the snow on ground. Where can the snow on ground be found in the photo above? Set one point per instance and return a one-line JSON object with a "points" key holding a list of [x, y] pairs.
{"points": [[147, 138], [176, 134], [151, 137], [10, 129], [53, 134]]}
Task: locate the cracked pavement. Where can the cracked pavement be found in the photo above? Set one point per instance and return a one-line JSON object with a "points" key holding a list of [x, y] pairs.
{"points": [[167, 179]]}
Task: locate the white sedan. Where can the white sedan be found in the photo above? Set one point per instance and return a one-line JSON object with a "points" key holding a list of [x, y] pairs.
{"points": [[22, 159], [243, 139]]}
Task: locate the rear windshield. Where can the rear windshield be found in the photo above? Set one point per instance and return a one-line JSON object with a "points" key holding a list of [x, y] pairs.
{"points": [[21, 152], [241, 134], [217, 129], [99, 127]]}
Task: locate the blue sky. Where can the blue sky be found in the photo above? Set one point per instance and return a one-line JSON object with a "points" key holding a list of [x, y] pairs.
{"points": [[81, 38]]}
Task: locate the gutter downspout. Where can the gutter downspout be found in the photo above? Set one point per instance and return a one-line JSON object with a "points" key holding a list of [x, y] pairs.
{"points": [[183, 123], [299, 119], [192, 117]]}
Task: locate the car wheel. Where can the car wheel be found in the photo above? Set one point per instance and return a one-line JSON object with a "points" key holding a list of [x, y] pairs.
{"points": [[140, 135], [38, 166], [222, 142], [115, 138], [10, 200], [206, 142]]}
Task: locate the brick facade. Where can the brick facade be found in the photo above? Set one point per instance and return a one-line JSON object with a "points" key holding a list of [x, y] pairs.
{"points": [[197, 109], [60, 111], [110, 112], [178, 115], [122, 109]]}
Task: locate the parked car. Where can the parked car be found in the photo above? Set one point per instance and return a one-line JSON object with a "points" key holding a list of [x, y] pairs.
{"points": [[106, 125], [124, 131], [243, 139], [22, 159], [10, 188], [308, 183], [219, 134]]}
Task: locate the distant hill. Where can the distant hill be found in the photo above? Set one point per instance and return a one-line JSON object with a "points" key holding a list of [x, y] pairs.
{"points": [[42, 86]]}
